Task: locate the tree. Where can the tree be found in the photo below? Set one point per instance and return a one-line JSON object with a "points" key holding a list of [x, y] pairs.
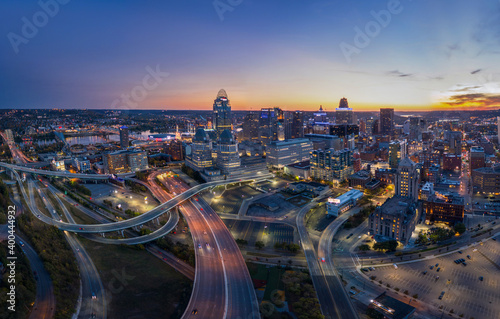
{"points": [[240, 241], [364, 247], [259, 244], [374, 314], [459, 228]]}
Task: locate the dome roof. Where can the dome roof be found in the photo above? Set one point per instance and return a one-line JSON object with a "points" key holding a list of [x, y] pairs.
{"points": [[200, 136], [222, 93], [226, 137]]}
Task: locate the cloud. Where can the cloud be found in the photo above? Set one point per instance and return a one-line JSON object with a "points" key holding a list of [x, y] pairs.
{"points": [[399, 74], [476, 71], [477, 100]]}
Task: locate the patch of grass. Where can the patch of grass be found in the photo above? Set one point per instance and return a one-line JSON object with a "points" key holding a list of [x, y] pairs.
{"points": [[251, 253], [137, 284]]}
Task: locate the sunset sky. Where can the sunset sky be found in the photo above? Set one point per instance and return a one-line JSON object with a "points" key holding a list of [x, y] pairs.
{"points": [[427, 54]]}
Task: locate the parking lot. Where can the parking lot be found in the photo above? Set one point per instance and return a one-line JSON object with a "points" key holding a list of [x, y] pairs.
{"points": [[253, 231], [231, 199], [121, 196], [464, 292]]}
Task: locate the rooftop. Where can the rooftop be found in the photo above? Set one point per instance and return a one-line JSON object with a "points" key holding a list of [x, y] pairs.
{"points": [[301, 165], [392, 307], [396, 205]]}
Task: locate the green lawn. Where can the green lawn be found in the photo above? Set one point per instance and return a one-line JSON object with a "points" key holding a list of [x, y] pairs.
{"points": [[139, 285]]}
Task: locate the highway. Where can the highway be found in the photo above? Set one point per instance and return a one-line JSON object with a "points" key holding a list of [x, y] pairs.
{"points": [[93, 297], [55, 173], [141, 219], [167, 257], [223, 287], [330, 297], [336, 287]]}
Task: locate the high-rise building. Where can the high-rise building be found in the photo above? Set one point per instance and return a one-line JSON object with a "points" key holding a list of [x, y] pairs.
{"points": [[330, 165], [221, 113], [397, 151], [251, 127], [297, 125], [407, 179], [498, 128], [271, 126], [199, 153], [228, 158], [454, 139], [477, 158], [125, 161], [445, 208], [344, 114], [124, 140], [320, 116], [175, 149], [282, 153], [386, 121]]}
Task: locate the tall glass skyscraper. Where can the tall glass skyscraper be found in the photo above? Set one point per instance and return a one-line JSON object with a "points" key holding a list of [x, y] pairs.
{"points": [[222, 113]]}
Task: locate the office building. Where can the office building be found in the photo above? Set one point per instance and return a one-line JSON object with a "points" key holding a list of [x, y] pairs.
{"points": [[283, 153], [454, 139], [344, 130], [271, 126], [452, 162], [125, 161], [386, 121], [394, 219], [175, 149], [444, 208], [199, 153], [82, 164], [228, 158], [331, 165], [486, 179], [323, 141], [477, 158], [297, 126], [124, 139], [301, 170], [57, 165], [320, 116], [251, 127], [336, 206], [221, 113], [407, 179], [360, 179], [344, 114], [397, 151], [391, 308]]}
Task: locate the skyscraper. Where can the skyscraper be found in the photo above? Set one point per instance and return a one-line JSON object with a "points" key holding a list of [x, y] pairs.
{"points": [[124, 137], [344, 114], [397, 151], [228, 158], [269, 127], [297, 124], [251, 126], [199, 153], [222, 113], [407, 179], [386, 121]]}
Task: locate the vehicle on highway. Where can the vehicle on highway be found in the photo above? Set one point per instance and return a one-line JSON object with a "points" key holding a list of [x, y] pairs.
{"points": [[93, 296], [350, 235], [323, 259], [206, 244], [199, 246], [395, 266], [194, 312], [21, 243]]}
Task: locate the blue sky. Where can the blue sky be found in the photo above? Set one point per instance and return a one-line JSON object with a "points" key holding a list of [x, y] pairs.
{"points": [[264, 53]]}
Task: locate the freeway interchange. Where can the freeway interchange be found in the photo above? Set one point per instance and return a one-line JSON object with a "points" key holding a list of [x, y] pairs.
{"points": [[222, 284]]}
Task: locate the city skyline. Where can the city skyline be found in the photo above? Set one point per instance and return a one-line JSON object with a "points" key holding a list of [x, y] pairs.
{"points": [[295, 57]]}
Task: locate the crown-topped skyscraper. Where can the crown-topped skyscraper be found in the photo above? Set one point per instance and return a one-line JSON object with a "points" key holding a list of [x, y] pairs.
{"points": [[222, 113]]}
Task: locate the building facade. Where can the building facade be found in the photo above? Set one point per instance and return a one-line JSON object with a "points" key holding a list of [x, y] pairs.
{"points": [[331, 165], [407, 179], [283, 153], [199, 153], [394, 219], [221, 113], [124, 137], [228, 157], [386, 121]]}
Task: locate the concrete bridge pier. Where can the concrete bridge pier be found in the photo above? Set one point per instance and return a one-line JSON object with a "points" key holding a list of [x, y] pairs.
{"points": [[102, 234], [123, 235]]}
